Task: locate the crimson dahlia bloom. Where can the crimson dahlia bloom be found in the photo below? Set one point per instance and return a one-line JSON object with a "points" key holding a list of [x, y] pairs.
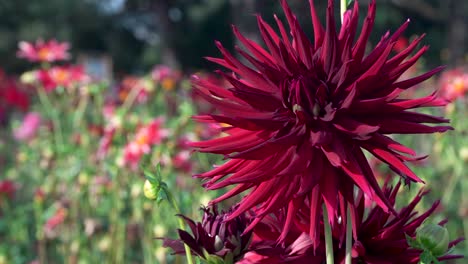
{"points": [[41, 51], [302, 115]]}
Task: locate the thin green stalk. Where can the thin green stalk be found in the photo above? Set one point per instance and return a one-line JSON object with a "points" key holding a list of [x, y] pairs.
{"points": [[44, 99], [188, 253], [78, 116], [328, 237], [349, 236], [343, 7], [349, 228]]}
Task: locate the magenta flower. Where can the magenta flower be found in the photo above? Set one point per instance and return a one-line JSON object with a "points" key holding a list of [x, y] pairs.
{"points": [[454, 84], [28, 127], [147, 136], [65, 76], [44, 51], [301, 117]]}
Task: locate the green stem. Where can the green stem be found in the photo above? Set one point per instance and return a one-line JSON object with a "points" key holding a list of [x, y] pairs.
{"points": [[349, 236], [188, 252], [328, 237], [349, 228], [343, 7], [78, 116], [44, 99]]}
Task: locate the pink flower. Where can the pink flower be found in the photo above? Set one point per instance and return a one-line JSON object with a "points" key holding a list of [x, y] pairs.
{"points": [[65, 76], [43, 51], [161, 72], [454, 84], [130, 83], [28, 127], [182, 161], [57, 219], [144, 139]]}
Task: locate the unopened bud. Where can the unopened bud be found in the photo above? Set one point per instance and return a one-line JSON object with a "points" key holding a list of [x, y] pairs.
{"points": [[150, 190], [434, 238], [464, 154]]}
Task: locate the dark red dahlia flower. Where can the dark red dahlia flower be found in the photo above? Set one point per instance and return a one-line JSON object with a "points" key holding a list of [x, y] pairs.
{"points": [[381, 236], [301, 114], [215, 238], [296, 248]]}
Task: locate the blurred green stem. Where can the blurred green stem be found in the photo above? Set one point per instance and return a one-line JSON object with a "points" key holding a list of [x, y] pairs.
{"points": [[44, 99], [171, 200], [78, 116], [41, 248], [328, 236]]}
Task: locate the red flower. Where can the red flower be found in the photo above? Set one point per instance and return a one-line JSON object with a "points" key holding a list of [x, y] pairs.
{"points": [[145, 138], [64, 76], [7, 189], [44, 51], [11, 95], [301, 117]]}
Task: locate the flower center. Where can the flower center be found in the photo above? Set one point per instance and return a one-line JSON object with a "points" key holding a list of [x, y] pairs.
{"points": [[306, 98]]}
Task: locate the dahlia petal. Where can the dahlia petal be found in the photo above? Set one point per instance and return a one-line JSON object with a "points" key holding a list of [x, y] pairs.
{"points": [[318, 28], [253, 47], [413, 81], [360, 46], [400, 57]]}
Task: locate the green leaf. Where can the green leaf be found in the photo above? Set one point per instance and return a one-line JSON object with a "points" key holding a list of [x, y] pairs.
{"points": [[412, 242], [348, 2]]}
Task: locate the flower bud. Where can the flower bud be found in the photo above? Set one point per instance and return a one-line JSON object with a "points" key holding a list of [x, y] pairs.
{"points": [[150, 190], [464, 154], [434, 238]]}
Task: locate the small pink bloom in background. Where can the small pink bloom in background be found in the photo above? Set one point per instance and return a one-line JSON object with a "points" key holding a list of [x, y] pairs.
{"points": [[130, 83], [41, 51], [28, 128], [165, 76], [454, 84], [105, 142], [7, 189], [65, 76], [39, 195], [401, 44], [161, 72], [54, 221], [144, 139], [182, 161]]}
